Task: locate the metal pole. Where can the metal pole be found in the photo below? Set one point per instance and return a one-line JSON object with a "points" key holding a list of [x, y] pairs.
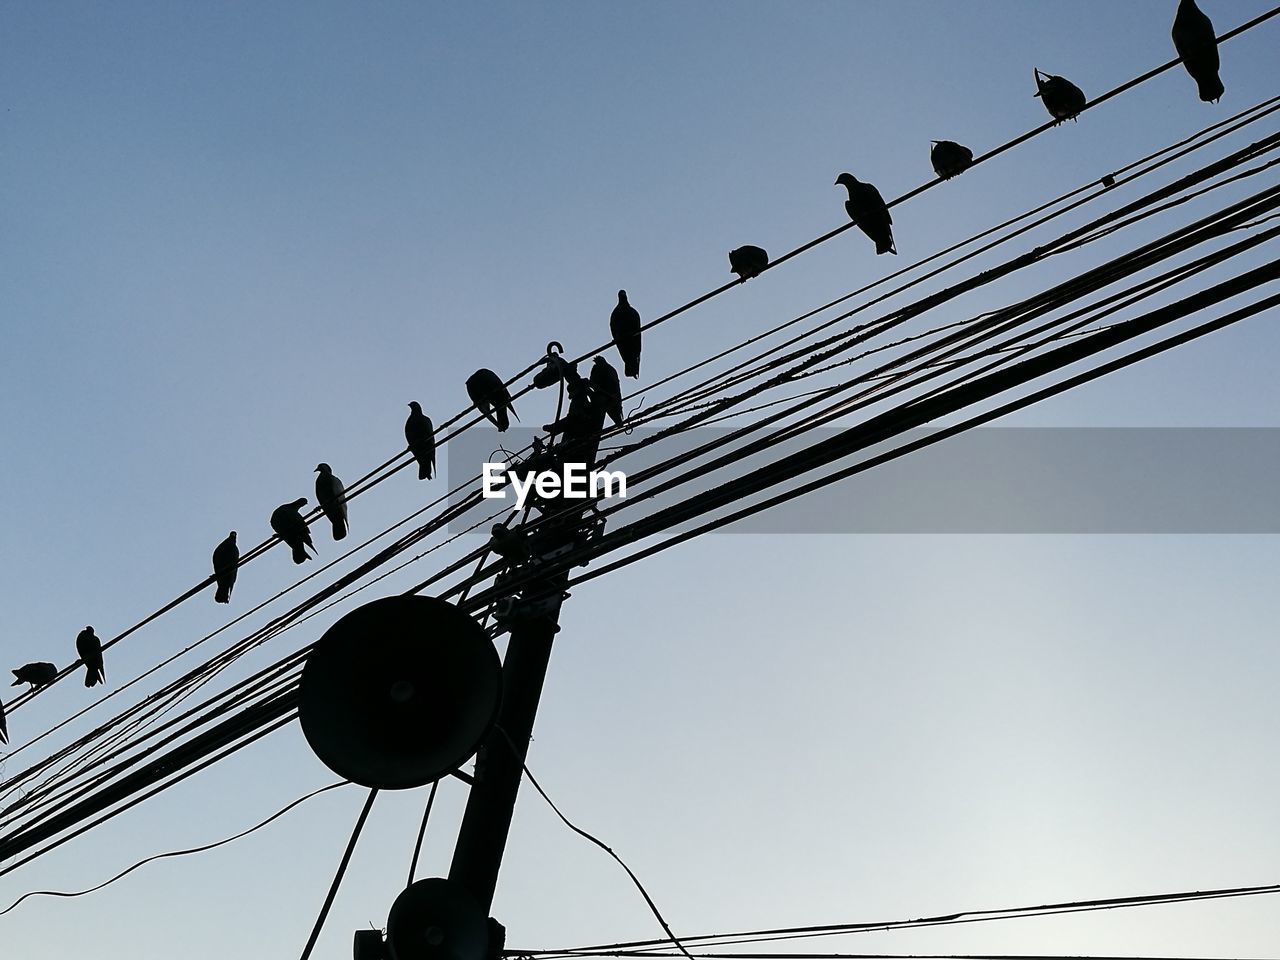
{"points": [[486, 821]]}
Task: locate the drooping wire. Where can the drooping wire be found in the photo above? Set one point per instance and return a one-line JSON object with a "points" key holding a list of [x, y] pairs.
{"points": [[177, 853], [653, 907]]}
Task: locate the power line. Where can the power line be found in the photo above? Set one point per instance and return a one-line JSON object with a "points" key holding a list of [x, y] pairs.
{"points": [[611, 541], [790, 955], [628, 948], [990, 154], [371, 479], [1181, 239], [1189, 145], [653, 907], [176, 853], [337, 879]]}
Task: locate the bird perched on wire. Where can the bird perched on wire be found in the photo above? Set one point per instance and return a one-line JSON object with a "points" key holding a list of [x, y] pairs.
{"points": [[509, 544], [1197, 45], [39, 674], [89, 647], [1062, 98], [421, 437], [607, 388], [950, 159], [489, 394], [868, 210], [287, 522], [226, 560], [624, 325], [554, 369], [748, 261], [332, 497]]}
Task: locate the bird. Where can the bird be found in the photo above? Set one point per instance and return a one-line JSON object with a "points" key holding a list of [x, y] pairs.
{"points": [[489, 394], [509, 544], [287, 522], [226, 560], [4, 727], [748, 261], [1062, 98], [624, 324], [1197, 45], [555, 368], [422, 440], [607, 388], [868, 210], [331, 495], [950, 159], [90, 649], [38, 674]]}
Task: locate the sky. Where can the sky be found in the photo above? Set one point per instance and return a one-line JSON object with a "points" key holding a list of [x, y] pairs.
{"points": [[237, 240]]}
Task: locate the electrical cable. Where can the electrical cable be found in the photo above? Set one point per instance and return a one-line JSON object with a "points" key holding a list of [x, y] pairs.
{"points": [[176, 853], [358, 489], [422, 832], [337, 879]]}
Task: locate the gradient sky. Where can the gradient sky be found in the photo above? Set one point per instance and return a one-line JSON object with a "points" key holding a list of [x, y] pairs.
{"points": [[239, 237]]}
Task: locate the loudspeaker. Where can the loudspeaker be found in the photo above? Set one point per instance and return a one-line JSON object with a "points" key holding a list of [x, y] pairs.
{"points": [[437, 919], [368, 945], [399, 692]]}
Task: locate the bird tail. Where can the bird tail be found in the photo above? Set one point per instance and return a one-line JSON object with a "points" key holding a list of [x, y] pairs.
{"points": [[94, 676], [300, 553], [1211, 88], [500, 419], [339, 527], [632, 368], [223, 594], [424, 470], [887, 246]]}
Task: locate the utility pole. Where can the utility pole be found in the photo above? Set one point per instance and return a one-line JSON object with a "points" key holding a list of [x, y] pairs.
{"points": [[534, 618]]}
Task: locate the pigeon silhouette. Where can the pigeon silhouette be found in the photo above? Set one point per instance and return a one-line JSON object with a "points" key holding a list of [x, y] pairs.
{"points": [[332, 497], [554, 369], [287, 522], [90, 649], [868, 210], [226, 557], [748, 261], [489, 394], [422, 440], [38, 674], [607, 388], [1062, 98], [512, 546], [950, 159], [624, 324], [1197, 45], [4, 727]]}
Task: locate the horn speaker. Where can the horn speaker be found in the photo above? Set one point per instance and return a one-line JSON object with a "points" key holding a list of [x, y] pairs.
{"points": [[436, 919], [399, 692]]}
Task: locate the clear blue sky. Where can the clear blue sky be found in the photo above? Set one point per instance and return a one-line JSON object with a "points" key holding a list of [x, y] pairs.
{"points": [[238, 238]]}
